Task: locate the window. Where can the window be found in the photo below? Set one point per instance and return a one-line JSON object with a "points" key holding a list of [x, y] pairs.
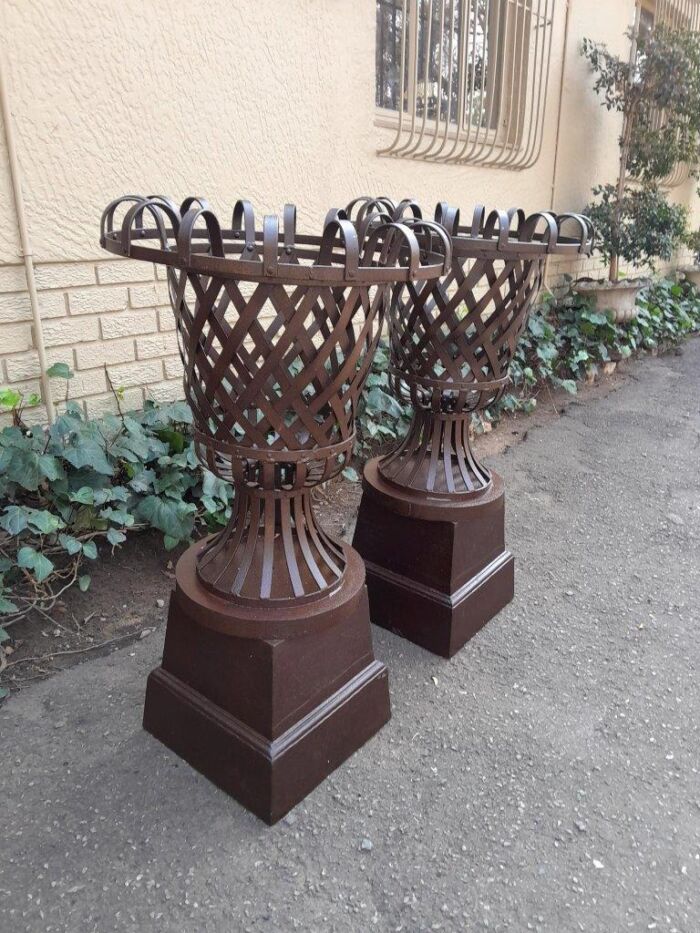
{"points": [[464, 80], [676, 14]]}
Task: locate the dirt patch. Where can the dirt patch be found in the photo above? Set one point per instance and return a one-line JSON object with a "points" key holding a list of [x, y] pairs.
{"points": [[128, 597]]}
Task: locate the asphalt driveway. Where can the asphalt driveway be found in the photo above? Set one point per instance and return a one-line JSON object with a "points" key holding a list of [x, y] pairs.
{"points": [[547, 778]]}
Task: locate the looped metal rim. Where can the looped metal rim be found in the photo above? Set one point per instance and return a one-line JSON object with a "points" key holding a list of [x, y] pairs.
{"points": [[507, 232], [374, 252]]}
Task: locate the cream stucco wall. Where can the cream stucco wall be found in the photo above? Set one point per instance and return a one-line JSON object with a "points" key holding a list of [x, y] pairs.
{"points": [[268, 100]]}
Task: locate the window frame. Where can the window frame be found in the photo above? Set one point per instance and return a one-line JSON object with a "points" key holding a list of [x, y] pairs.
{"points": [[519, 31]]}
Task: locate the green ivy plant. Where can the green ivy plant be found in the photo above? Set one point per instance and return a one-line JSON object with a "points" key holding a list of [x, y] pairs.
{"points": [[567, 338], [79, 486], [381, 417]]}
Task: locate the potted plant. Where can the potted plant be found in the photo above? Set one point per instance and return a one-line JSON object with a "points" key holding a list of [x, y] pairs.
{"points": [[657, 92], [692, 272]]}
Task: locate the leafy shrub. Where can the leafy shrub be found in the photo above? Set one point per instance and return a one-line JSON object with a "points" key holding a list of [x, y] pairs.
{"points": [[641, 226], [658, 97], [79, 485], [381, 417], [692, 241], [565, 338]]}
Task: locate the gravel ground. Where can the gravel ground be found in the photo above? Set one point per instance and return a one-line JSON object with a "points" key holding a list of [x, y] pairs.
{"points": [[547, 778]]}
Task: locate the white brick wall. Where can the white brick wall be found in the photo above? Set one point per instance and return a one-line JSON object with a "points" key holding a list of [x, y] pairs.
{"points": [[108, 318]]}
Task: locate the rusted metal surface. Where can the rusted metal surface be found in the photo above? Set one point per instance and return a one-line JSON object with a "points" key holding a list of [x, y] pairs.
{"points": [[268, 679], [277, 332], [430, 525], [452, 340]]}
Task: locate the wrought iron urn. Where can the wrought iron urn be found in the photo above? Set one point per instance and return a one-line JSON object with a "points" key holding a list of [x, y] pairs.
{"points": [[268, 679], [431, 521]]}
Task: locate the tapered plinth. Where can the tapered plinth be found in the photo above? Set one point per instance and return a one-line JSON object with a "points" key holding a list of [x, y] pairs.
{"points": [[437, 568], [267, 702]]}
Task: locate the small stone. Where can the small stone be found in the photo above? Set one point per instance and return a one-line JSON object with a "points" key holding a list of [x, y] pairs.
{"points": [[290, 819], [160, 603], [145, 633], [676, 519], [366, 845], [569, 593], [597, 864], [580, 826]]}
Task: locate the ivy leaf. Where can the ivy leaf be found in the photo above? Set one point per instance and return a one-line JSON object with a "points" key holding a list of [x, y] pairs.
{"points": [[44, 522], [50, 467], [350, 473], [14, 520], [60, 371], [85, 495], [21, 464], [215, 487], [3, 634], [84, 582], [173, 518], [26, 557], [118, 517], [380, 400], [170, 542], [30, 559], [115, 537], [174, 439], [10, 398], [89, 454], [64, 426], [547, 353], [90, 550], [568, 384], [143, 481], [42, 567], [70, 544], [180, 411]]}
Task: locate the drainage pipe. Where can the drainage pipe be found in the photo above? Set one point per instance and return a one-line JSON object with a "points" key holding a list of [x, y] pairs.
{"points": [[25, 244]]}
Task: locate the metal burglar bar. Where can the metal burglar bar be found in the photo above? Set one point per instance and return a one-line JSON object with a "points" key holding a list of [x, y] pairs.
{"points": [[678, 14], [464, 80], [674, 14]]}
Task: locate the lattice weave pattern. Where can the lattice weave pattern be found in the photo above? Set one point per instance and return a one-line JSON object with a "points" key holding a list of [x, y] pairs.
{"points": [[452, 340], [277, 333]]}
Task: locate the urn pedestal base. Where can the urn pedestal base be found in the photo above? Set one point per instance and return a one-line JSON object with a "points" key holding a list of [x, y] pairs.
{"points": [[437, 568], [267, 702]]}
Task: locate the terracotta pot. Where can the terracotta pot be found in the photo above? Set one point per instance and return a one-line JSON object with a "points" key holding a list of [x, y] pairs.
{"points": [[692, 274], [620, 298]]}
